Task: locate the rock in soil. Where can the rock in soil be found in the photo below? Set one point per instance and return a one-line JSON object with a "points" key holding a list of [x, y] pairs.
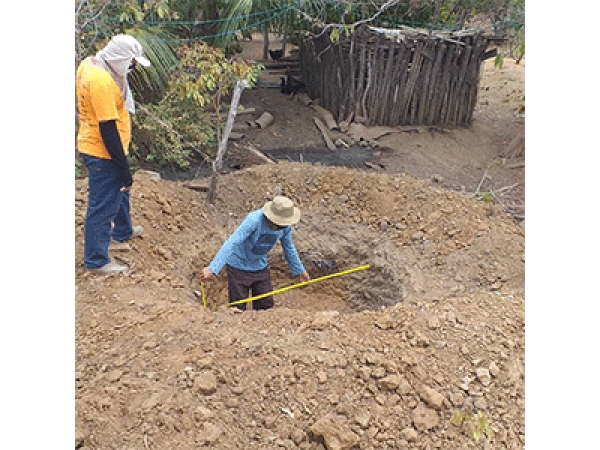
{"points": [[335, 434], [424, 418]]}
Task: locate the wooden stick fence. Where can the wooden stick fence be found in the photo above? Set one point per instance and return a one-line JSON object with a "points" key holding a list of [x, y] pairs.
{"points": [[410, 78]]}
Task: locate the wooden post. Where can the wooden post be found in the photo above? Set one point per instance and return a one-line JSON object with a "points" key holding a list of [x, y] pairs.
{"points": [[218, 162]]}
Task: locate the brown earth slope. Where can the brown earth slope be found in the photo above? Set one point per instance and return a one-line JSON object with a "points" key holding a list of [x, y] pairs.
{"points": [[378, 359]]}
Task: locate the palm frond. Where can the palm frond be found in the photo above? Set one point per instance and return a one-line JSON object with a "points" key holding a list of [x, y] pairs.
{"points": [[236, 15], [151, 82]]}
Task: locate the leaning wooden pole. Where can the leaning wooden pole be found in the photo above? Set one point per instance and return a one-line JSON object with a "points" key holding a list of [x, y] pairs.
{"points": [[218, 162]]}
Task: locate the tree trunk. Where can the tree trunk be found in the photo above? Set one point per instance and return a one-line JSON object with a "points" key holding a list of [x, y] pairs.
{"points": [[266, 42], [218, 162]]}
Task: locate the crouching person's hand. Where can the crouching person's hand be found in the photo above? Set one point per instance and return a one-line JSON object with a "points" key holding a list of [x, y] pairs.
{"points": [[206, 274], [303, 277]]}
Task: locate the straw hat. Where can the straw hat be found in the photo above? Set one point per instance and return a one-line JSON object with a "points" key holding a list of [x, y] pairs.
{"points": [[281, 211]]}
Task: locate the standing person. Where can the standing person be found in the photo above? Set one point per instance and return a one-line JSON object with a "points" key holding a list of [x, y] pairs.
{"points": [[245, 252], [104, 102]]}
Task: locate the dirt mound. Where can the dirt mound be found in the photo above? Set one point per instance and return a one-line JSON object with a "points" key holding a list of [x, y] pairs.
{"points": [[377, 359]]}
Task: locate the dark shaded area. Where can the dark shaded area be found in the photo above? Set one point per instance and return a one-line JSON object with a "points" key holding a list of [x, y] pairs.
{"points": [[353, 157]]}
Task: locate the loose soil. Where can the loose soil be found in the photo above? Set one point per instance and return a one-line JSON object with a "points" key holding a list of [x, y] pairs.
{"points": [[377, 359]]}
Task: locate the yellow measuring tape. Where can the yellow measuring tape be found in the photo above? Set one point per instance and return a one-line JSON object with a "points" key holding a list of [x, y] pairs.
{"points": [[203, 293], [297, 285]]}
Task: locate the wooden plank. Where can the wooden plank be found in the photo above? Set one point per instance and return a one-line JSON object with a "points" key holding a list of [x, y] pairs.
{"points": [[397, 116], [369, 82], [352, 69], [386, 88], [374, 99], [436, 78], [458, 94], [474, 76], [422, 99], [447, 84], [393, 92], [415, 69], [362, 67], [326, 116], [341, 83], [323, 129]]}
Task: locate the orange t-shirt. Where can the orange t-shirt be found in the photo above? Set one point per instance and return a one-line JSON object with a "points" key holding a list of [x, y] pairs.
{"points": [[98, 100]]}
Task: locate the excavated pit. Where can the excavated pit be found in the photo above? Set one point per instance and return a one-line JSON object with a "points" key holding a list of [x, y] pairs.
{"points": [[421, 242]]}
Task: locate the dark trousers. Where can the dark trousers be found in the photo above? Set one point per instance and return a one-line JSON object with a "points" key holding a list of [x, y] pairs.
{"points": [[107, 206], [240, 283]]}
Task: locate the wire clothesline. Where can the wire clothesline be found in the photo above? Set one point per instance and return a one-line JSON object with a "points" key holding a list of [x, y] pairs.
{"points": [[275, 13]]}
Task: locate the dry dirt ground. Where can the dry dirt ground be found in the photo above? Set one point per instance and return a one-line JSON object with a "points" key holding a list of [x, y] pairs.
{"points": [[380, 359]]}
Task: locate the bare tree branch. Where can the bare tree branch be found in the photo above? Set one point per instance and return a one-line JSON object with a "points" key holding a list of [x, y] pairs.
{"points": [[328, 26]]}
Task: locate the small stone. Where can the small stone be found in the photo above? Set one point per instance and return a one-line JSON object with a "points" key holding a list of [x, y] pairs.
{"points": [[114, 375], [464, 384], [363, 418], [409, 434], [494, 370], [204, 413], [385, 322], [335, 434], [210, 433], [205, 383], [433, 322], [164, 253], [378, 372], [161, 199], [483, 375], [417, 236], [391, 382], [149, 345], [238, 390], [496, 286], [322, 377], [364, 373], [480, 403], [156, 275], [432, 397], [297, 435], [405, 388], [232, 402], [206, 361], [424, 418]]}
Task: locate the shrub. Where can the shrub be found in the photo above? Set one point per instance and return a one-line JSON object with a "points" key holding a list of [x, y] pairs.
{"points": [[172, 131]]}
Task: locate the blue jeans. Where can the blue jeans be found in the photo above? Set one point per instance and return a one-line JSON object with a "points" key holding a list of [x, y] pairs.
{"points": [[107, 207]]}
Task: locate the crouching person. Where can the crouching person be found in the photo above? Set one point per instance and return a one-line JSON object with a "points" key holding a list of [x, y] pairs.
{"points": [[245, 252]]}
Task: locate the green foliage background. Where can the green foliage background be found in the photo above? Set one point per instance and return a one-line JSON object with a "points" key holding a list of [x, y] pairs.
{"points": [[180, 96]]}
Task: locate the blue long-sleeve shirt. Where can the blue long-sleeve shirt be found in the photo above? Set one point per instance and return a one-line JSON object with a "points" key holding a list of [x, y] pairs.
{"points": [[247, 248]]}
